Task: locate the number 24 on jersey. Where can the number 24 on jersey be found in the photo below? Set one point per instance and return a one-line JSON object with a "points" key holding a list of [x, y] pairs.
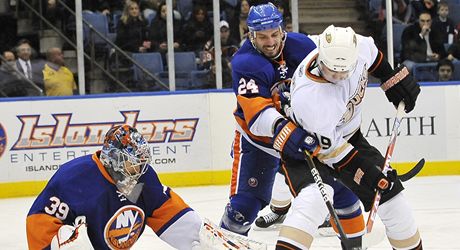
{"points": [[249, 87]]}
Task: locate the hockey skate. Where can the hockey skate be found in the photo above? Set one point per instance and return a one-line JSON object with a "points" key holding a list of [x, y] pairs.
{"points": [[270, 221]]}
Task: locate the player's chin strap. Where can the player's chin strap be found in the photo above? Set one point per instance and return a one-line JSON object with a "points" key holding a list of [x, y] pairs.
{"points": [[72, 237], [214, 238]]}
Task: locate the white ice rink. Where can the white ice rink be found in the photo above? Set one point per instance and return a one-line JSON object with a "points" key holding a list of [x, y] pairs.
{"points": [[435, 200]]}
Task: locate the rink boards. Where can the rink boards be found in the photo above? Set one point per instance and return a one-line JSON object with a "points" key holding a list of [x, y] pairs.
{"points": [[190, 133]]}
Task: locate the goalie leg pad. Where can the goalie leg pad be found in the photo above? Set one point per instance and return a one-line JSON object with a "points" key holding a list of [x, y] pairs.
{"points": [[398, 218], [240, 213]]}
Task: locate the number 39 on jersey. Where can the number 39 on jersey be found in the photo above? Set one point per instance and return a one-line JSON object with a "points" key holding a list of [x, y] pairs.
{"points": [[247, 87]]}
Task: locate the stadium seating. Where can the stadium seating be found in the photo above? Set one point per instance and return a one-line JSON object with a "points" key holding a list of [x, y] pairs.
{"points": [[456, 75], [397, 35], [454, 10], [185, 8], [199, 79], [100, 23], [151, 62], [425, 72]]}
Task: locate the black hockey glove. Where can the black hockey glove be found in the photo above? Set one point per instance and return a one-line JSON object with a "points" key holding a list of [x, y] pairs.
{"points": [[401, 86], [290, 140], [365, 172], [385, 183]]}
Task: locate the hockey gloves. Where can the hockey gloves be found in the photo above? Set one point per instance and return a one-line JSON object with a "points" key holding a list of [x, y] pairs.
{"points": [[365, 172], [291, 140], [72, 237], [401, 86], [285, 100]]}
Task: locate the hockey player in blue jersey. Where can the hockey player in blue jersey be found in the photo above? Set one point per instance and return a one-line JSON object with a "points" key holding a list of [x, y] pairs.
{"points": [[117, 193], [264, 63], [105, 200]]}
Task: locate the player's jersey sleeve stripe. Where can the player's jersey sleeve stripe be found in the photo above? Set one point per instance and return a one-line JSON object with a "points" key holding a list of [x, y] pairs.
{"points": [[377, 62], [101, 167], [244, 126], [41, 228], [168, 213], [253, 106]]}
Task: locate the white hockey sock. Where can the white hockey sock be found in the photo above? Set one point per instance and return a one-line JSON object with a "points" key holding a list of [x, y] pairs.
{"points": [[281, 196], [398, 218]]}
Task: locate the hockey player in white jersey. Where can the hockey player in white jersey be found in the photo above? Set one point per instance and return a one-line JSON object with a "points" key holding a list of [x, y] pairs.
{"points": [[326, 95]]}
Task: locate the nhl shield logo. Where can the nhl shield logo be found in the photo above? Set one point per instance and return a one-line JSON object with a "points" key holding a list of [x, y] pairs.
{"points": [[2, 140], [124, 228]]}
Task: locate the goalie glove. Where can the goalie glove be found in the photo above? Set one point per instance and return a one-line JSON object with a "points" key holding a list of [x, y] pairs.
{"points": [[291, 140], [72, 237], [401, 86]]}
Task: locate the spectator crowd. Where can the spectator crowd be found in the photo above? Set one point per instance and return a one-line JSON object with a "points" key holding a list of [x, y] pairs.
{"points": [[139, 26]]}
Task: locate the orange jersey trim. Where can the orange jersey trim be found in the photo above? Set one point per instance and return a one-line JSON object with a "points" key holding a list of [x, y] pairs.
{"points": [[236, 163], [318, 79], [377, 63], [348, 160], [101, 167], [166, 212], [41, 228], [252, 106], [244, 126], [288, 180]]}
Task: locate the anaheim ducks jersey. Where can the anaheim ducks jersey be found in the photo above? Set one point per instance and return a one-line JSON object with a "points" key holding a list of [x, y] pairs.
{"points": [[255, 78], [83, 187], [332, 111]]}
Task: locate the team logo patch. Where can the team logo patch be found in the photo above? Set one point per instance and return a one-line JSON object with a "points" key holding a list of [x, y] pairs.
{"points": [[124, 228], [253, 182], [2, 140], [328, 38]]}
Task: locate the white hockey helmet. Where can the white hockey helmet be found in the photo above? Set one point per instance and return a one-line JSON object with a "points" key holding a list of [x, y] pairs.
{"points": [[338, 48]]}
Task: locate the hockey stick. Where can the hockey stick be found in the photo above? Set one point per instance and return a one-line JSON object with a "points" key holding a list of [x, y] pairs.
{"points": [[213, 237], [320, 184], [386, 165], [413, 172]]}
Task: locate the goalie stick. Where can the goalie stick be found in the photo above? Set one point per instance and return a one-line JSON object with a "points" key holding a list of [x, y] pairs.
{"points": [[213, 237], [386, 166]]}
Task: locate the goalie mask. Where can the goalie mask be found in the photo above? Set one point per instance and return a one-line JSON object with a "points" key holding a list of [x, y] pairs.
{"points": [[125, 155]]}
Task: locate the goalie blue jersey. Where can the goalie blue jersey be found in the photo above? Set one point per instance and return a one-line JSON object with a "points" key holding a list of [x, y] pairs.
{"points": [[83, 187], [255, 78]]}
